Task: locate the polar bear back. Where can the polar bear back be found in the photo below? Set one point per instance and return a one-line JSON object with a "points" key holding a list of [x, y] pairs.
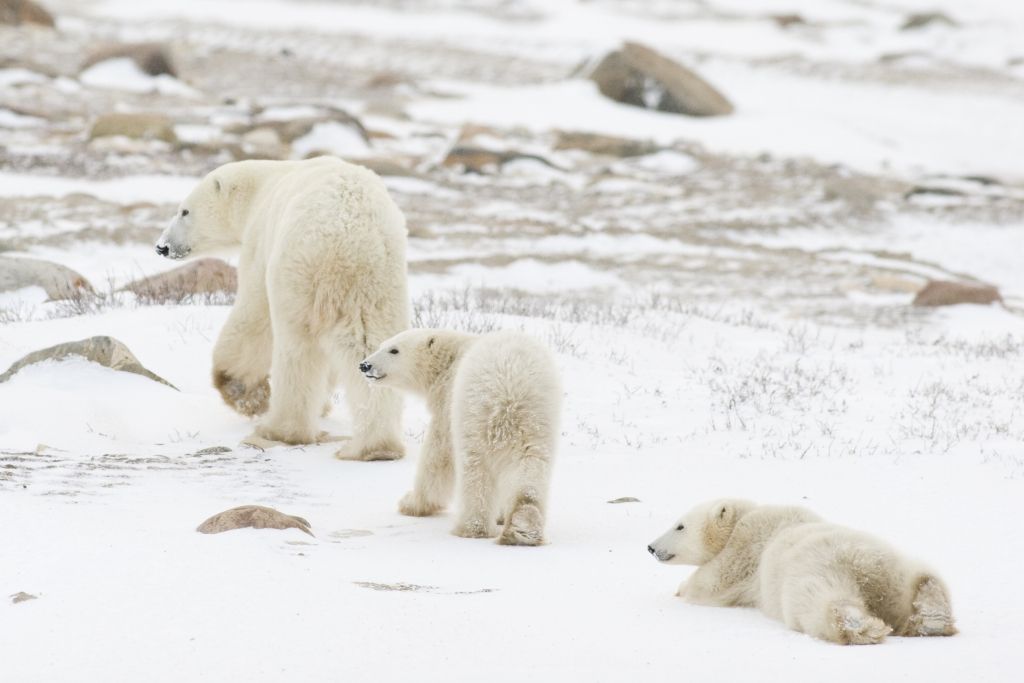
{"points": [[506, 397]]}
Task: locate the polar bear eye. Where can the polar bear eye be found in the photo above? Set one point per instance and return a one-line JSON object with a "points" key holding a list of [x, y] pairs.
{"points": [[184, 212], [393, 351], [680, 527]]}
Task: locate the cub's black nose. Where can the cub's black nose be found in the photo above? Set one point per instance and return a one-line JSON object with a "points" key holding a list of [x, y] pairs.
{"points": [[365, 367], [650, 549], [163, 250]]}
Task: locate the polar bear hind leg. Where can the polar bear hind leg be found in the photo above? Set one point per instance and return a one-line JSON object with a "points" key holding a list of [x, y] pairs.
{"points": [[932, 614], [831, 607], [478, 489], [524, 521]]}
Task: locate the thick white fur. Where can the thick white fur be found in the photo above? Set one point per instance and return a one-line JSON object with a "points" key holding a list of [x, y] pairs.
{"points": [[321, 282], [819, 578], [495, 403]]}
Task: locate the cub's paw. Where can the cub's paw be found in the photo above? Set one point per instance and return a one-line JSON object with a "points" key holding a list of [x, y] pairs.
{"points": [[413, 505], [245, 398], [293, 436], [855, 627], [525, 527]]}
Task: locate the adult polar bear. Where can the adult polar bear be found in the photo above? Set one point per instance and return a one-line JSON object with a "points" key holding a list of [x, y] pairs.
{"points": [[321, 283]]}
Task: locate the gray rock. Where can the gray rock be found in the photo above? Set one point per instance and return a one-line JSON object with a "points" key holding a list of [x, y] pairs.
{"points": [[60, 282], [213, 450], [205, 276], [22, 596], [923, 19], [255, 517], [473, 159], [947, 293], [152, 58], [18, 12], [624, 499], [106, 351], [137, 126], [639, 76], [288, 131]]}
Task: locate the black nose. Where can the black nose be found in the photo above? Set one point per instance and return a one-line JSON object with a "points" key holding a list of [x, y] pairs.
{"points": [[650, 549], [163, 250], [365, 367]]}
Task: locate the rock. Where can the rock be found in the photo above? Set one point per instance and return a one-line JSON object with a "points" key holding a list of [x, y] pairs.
{"points": [[138, 126], [205, 276], [607, 145], [292, 129], [60, 282], [262, 143], [787, 20], [213, 450], [254, 516], [152, 58], [22, 596], [106, 351], [625, 499], [922, 19], [388, 167], [17, 12], [639, 76], [473, 159], [947, 293]]}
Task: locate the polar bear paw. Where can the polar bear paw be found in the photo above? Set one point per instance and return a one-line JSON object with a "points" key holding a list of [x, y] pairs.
{"points": [[933, 615], [475, 528], [856, 627], [413, 505], [245, 398], [525, 527], [381, 451]]}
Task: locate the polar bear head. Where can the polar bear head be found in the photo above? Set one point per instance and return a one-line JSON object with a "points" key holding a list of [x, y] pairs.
{"points": [[701, 533], [209, 217], [415, 360]]}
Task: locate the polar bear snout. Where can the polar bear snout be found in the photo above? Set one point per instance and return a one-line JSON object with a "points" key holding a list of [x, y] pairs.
{"points": [[370, 372], [660, 554], [163, 249]]}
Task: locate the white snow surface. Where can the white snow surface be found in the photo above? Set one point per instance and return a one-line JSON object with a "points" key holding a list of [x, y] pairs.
{"points": [[914, 433]]}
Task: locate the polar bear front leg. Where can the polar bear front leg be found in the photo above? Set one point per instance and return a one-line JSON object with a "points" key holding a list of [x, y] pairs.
{"points": [[242, 354], [298, 384], [376, 415], [435, 472]]}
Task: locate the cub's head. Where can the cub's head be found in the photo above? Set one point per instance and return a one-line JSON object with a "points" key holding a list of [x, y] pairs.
{"points": [[202, 221], [400, 361], [700, 534]]}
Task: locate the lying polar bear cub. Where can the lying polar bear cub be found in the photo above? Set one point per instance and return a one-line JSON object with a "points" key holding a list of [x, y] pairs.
{"points": [[819, 578], [495, 401]]}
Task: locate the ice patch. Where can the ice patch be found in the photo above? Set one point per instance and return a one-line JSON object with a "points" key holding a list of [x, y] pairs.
{"points": [[124, 74], [335, 138]]}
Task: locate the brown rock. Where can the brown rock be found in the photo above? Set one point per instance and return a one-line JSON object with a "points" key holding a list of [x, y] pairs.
{"points": [[252, 516], [946, 293], [262, 143], [138, 126], [17, 12], [152, 58], [607, 145], [106, 351], [787, 20], [205, 276], [292, 129], [639, 76], [60, 282], [472, 159]]}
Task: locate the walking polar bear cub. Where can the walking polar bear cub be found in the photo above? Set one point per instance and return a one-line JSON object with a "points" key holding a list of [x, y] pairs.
{"points": [[321, 282], [495, 401], [819, 578]]}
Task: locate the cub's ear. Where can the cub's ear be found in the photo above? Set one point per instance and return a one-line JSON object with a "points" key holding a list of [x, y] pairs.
{"points": [[430, 342], [724, 512]]}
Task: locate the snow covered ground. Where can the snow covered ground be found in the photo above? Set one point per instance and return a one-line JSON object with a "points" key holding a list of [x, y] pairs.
{"points": [[731, 314]]}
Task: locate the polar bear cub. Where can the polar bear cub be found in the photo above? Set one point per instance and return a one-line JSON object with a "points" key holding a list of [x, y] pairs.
{"points": [[495, 403], [822, 579]]}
